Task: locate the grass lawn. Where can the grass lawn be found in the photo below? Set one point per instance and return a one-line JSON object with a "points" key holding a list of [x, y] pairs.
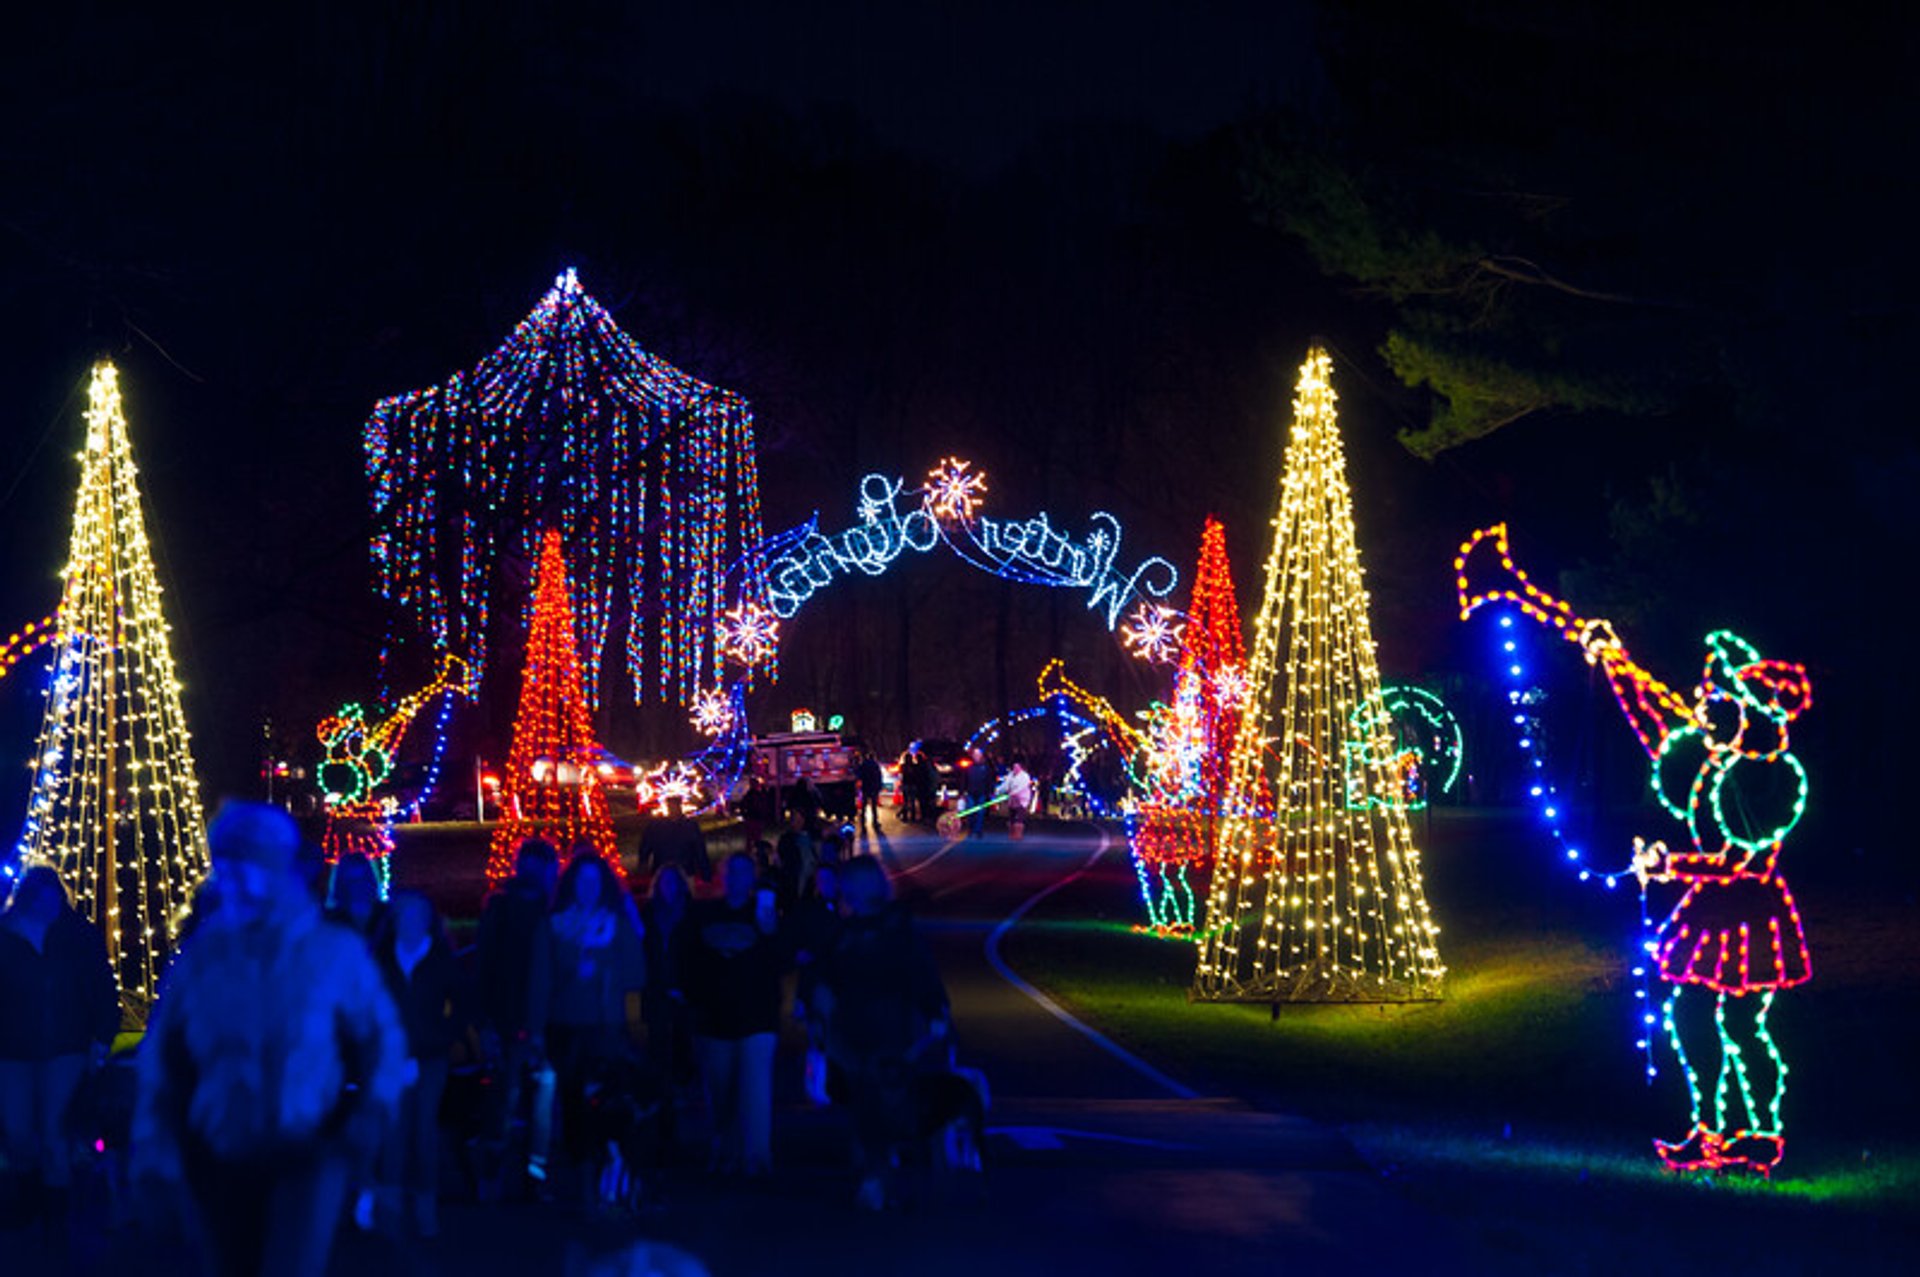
{"points": [[1518, 1107]]}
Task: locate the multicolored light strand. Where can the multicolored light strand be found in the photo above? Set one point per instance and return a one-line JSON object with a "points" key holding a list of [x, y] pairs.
{"points": [[1323, 900], [1737, 930], [1426, 746], [648, 474], [359, 758], [551, 787], [115, 806], [27, 640]]}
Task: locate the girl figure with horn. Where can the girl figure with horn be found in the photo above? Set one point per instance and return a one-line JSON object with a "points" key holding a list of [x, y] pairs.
{"points": [[1725, 769]]}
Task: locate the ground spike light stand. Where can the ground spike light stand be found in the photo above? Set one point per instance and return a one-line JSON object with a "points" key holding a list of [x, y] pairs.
{"points": [[1314, 897], [115, 807]]}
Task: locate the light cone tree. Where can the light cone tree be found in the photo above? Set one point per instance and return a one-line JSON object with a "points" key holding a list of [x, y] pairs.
{"points": [[1171, 832], [115, 807], [552, 786], [1316, 893]]}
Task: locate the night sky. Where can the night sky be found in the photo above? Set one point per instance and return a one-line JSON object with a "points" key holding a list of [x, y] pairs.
{"points": [[1022, 233]]}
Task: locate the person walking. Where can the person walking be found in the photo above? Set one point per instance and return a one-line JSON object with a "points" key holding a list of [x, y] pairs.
{"points": [[354, 900], [979, 790], [516, 990], [271, 1063], [598, 960], [424, 979], [794, 858], [669, 1038], [871, 780], [59, 1010], [882, 1012], [730, 970], [674, 838]]}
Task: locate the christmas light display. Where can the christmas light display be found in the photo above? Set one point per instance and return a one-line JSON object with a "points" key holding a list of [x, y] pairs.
{"points": [[1152, 633], [803, 720], [1079, 736], [27, 640], [115, 806], [953, 492], [749, 634], [1315, 899], [359, 758], [893, 521], [1721, 763], [648, 474], [713, 711], [1424, 746], [552, 786], [1172, 831]]}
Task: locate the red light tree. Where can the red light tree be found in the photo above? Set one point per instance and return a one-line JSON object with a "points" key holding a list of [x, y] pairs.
{"points": [[552, 788], [1215, 660], [1172, 832]]}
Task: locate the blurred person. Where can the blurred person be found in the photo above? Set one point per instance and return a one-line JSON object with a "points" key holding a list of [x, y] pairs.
{"points": [[794, 857], [674, 838], [1017, 785], [353, 898], [271, 1063], [882, 1012], [59, 1011], [730, 968], [872, 780], [980, 791], [425, 981], [515, 993], [598, 960], [926, 788], [669, 1038]]}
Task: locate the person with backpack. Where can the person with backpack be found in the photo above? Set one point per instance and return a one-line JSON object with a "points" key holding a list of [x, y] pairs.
{"points": [[271, 1064]]}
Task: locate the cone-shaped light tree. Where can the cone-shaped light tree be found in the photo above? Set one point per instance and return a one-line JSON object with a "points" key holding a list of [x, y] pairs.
{"points": [[552, 785], [115, 807], [1316, 892], [1172, 831]]}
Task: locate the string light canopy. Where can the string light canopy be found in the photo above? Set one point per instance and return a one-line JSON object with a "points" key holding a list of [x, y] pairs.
{"points": [[115, 806], [552, 787], [648, 474], [1316, 897]]}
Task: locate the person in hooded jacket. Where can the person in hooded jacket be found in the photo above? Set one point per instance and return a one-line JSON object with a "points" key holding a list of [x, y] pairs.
{"points": [[271, 1063]]}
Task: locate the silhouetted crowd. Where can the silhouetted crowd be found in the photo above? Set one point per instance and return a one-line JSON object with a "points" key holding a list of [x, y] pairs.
{"points": [[314, 1047]]}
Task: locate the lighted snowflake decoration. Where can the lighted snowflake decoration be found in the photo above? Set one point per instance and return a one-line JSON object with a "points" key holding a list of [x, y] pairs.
{"points": [[713, 711], [674, 780], [750, 634], [1230, 687], [1152, 633], [954, 489]]}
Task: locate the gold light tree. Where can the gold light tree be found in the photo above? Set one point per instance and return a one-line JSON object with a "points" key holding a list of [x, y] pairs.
{"points": [[115, 807], [1317, 893]]}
